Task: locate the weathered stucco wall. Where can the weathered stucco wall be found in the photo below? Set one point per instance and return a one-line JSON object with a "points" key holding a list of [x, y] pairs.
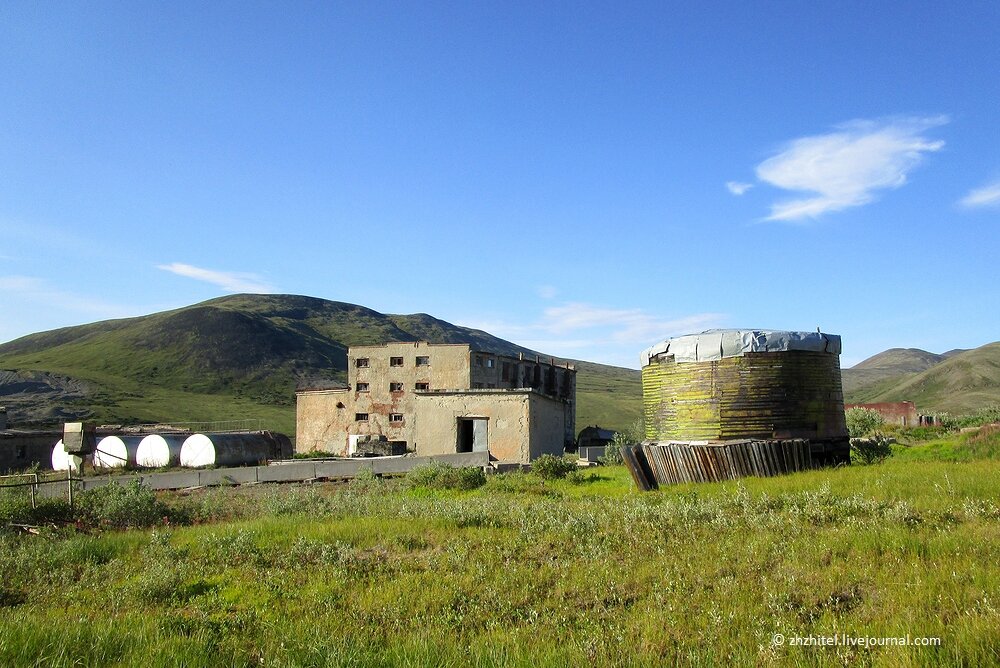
{"points": [[507, 419], [548, 426], [521, 425], [384, 382], [320, 424]]}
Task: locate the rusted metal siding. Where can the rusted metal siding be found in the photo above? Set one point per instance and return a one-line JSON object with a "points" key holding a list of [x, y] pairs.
{"points": [[784, 395]]}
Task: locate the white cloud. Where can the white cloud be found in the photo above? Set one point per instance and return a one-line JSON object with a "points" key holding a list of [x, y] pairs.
{"points": [[228, 281], [845, 167], [597, 333], [987, 196], [738, 187]]}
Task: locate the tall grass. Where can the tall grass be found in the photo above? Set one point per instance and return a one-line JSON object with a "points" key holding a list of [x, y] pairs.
{"points": [[522, 571]]}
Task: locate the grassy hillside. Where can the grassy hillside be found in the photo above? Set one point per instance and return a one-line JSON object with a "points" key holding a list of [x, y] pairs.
{"points": [[890, 366], [242, 356], [959, 384]]}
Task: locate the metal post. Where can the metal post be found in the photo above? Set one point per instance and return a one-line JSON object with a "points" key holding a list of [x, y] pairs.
{"points": [[32, 488], [69, 482]]}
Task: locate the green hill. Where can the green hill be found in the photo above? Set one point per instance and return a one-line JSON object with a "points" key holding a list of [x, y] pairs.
{"points": [[239, 357], [885, 370], [959, 382]]}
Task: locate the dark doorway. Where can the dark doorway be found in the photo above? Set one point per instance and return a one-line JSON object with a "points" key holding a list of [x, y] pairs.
{"points": [[472, 434]]}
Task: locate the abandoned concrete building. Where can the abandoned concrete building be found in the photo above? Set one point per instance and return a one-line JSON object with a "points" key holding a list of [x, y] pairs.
{"points": [[435, 399]]}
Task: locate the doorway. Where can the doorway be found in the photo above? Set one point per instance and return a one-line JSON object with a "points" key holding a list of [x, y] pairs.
{"points": [[473, 435]]}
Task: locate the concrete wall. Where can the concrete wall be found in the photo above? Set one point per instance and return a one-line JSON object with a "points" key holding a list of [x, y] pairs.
{"points": [[326, 419], [548, 426], [20, 450], [521, 424], [322, 421]]}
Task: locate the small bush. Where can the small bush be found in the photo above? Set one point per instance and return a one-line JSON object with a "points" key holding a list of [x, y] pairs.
{"points": [[118, 507], [870, 450], [442, 476], [862, 421], [550, 467]]}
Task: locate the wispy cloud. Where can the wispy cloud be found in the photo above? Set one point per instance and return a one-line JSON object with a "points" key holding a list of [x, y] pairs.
{"points": [[844, 168], [598, 333], [738, 187], [987, 196], [228, 281], [40, 294]]}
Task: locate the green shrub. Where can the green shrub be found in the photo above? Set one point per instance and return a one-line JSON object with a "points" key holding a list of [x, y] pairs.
{"points": [[550, 467], [442, 476], [122, 507], [870, 450], [862, 421]]}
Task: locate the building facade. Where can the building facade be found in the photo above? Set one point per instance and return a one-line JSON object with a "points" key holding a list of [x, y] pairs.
{"points": [[399, 391]]}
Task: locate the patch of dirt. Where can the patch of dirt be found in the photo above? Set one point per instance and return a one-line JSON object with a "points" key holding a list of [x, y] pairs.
{"points": [[38, 397]]}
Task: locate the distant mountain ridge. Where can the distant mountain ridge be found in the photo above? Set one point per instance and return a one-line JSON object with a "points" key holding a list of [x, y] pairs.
{"points": [[957, 381], [244, 353]]}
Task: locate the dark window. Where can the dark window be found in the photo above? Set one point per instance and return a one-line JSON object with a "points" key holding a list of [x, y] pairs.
{"points": [[361, 417], [395, 387], [395, 417], [422, 386], [362, 387], [361, 363], [505, 371], [395, 361], [423, 360], [479, 360], [490, 363]]}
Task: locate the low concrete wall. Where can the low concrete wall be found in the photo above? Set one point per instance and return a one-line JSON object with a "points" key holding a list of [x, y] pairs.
{"points": [[286, 472]]}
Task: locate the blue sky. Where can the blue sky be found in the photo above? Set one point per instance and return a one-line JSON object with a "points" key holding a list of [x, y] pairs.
{"points": [[585, 179]]}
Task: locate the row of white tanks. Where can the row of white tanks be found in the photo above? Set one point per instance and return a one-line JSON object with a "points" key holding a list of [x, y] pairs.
{"points": [[161, 450]]}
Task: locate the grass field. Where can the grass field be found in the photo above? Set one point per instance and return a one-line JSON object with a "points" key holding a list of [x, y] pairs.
{"points": [[523, 571]]}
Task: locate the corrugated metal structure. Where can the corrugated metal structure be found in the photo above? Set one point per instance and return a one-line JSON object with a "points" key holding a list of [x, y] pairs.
{"points": [[761, 385], [655, 464]]}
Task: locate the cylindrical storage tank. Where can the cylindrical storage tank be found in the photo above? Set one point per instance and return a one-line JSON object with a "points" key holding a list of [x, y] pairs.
{"points": [[62, 460], [116, 451], [729, 384], [226, 449], [159, 450]]}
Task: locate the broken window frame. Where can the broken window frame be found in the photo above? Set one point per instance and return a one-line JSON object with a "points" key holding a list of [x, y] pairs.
{"points": [[361, 417], [423, 360], [395, 387], [361, 387], [395, 417], [361, 363], [395, 361], [422, 386]]}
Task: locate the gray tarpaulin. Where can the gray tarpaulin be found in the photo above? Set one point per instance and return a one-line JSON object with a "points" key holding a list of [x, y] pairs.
{"points": [[715, 344]]}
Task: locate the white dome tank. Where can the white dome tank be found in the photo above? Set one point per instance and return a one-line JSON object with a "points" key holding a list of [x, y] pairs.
{"points": [[159, 450], [114, 452], [63, 461], [226, 449]]}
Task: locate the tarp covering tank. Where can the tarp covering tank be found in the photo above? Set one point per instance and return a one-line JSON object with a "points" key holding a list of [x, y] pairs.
{"points": [[233, 449], [63, 461], [722, 385], [116, 451], [159, 450], [716, 344]]}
